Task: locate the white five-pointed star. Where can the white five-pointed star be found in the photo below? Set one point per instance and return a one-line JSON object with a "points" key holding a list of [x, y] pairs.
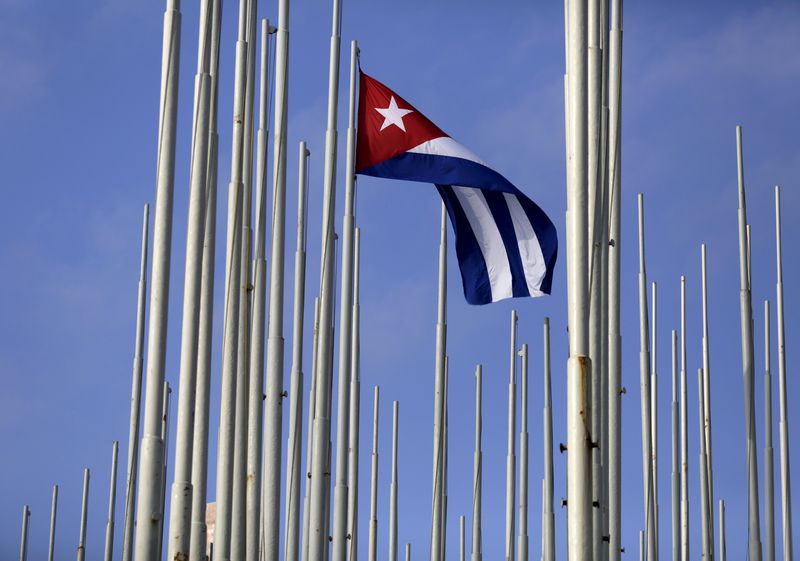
{"points": [[393, 115]]}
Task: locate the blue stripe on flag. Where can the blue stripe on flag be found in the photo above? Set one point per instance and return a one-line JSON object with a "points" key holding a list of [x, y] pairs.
{"points": [[502, 217]]}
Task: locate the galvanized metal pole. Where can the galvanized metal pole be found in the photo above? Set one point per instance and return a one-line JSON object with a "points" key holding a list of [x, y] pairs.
{"points": [[722, 546], [23, 542], [408, 552], [641, 545], [676, 470], [112, 496], [754, 529], [310, 434], [355, 405], [340, 490], [393, 486], [165, 439], [320, 487], [136, 395], [462, 556], [654, 415], [445, 449], [548, 516], [707, 397], [51, 543], [372, 551], [148, 510], [783, 425], [769, 457], [511, 457], [292, 522], [522, 538], [707, 544], [84, 513], [614, 246], [684, 433], [477, 478], [579, 532]]}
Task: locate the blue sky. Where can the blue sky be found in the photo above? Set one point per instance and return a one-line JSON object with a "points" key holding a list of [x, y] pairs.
{"points": [[78, 118]]}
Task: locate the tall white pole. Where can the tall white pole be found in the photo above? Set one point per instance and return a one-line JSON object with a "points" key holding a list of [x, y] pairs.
{"points": [[754, 530], [684, 433], [136, 395], [614, 246], [783, 424], [769, 457], [676, 477], [393, 486], [722, 546], [112, 496], [181, 495], [654, 413], [292, 522], [355, 405], [548, 516], [408, 552], [51, 544], [312, 392], [165, 439], [522, 546], [579, 365], [707, 544], [372, 551], [439, 390], [320, 475], [641, 546], [23, 542], [148, 510], [445, 449], [644, 385], [84, 513], [511, 457], [339, 544], [477, 478], [462, 555], [707, 395]]}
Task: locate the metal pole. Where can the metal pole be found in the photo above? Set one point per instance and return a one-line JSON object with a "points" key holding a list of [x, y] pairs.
{"points": [[148, 510], [52, 541], [408, 552], [136, 395], [641, 545], [165, 439], [644, 383], [579, 364], [355, 405], [462, 550], [614, 246], [704, 505], [445, 449], [511, 457], [393, 486], [310, 434], [23, 542], [522, 546], [654, 415], [786, 488], [292, 523], [372, 551], [548, 517], [769, 457], [676, 477], [754, 530], [707, 397], [339, 544], [477, 479], [684, 433], [438, 410], [84, 513], [112, 496], [722, 547]]}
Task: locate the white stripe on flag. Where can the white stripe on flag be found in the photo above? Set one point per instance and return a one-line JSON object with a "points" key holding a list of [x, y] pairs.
{"points": [[529, 249], [446, 146], [489, 240]]}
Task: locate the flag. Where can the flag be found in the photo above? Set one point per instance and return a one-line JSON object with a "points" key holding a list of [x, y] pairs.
{"points": [[506, 245]]}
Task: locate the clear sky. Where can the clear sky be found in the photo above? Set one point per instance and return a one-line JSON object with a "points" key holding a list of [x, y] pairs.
{"points": [[78, 120]]}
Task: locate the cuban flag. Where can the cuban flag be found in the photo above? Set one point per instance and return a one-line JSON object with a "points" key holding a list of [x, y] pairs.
{"points": [[506, 245]]}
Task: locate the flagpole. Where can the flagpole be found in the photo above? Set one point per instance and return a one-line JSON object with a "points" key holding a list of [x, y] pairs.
{"points": [[548, 517], [654, 415], [644, 381], [355, 404], [51, 544], [438, 410], [445, 449], [393, 486], [84, 511], [614, 246], [477, 491], [320, 489], [372, 551], [511, 457], [165, 439], [339, 544], [722, 547], [310, 434], [148, 510], [676, 478], [704, 505], [783, 424], [579, 364], [462, 550], [707, 394], [136, 395], [754, 532], [181, 495], [769, 457], [112, 495], [23, 542], [684, 433], [522, 547]]}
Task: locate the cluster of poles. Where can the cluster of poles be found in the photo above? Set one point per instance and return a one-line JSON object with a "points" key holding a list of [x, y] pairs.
{"points": [[324, 522]]}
